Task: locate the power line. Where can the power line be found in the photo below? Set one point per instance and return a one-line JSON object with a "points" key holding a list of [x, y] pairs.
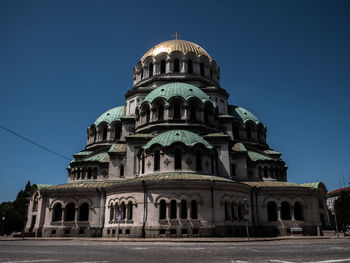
{"points": [[36, 144]]}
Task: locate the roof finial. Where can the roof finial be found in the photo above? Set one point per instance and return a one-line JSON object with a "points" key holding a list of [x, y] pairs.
{"points": [[176, 35]]}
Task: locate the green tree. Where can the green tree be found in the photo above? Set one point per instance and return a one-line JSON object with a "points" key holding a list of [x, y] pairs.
{"points": [[342, 208], [14, 212]]}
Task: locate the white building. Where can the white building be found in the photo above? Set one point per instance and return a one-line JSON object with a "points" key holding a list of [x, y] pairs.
{"points": [[175, 161]]}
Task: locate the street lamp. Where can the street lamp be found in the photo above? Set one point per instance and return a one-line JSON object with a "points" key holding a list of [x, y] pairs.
{"points": [[246, 217], [335, 219]]}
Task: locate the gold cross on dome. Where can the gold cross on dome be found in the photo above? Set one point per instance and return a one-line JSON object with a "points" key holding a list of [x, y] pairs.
{"points": [[176, 35]]}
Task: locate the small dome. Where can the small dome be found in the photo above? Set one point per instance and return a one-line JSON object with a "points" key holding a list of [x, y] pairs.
{"points": [[242, 114], [169, 137], [111, 115], [176, 45], [176, 89]]}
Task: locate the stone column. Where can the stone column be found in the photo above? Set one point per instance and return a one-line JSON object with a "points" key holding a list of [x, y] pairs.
{"points": [[291, 209], [167, 111], [168, 211], [178, 211], [183, 66], [169, 66], [186, 109], [189, 211], [279, 218], [76, 214], [63, 215]]}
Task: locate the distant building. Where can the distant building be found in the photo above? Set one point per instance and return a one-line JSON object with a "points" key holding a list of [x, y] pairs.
{"points": [[176, 161], [334, 195]]}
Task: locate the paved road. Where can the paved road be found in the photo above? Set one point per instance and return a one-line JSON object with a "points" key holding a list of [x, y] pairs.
{"points": [[283, 251]]}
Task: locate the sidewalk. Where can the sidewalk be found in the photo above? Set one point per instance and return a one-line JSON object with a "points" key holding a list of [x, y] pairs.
{"points": [[196, 240]]}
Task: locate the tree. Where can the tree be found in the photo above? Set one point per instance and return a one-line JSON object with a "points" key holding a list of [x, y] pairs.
{"points": [[342, 208], [14, 212]]}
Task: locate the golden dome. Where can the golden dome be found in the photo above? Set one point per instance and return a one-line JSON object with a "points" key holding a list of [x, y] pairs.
{"points": [[176, 45]]}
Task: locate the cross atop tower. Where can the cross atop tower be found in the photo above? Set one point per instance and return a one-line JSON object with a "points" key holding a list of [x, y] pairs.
{"points": [[176, 35]]}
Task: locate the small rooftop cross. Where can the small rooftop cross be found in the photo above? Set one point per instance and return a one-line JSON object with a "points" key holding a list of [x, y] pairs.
{"points": [[176, 35]]}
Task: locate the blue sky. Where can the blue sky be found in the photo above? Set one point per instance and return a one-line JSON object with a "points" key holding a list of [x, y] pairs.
{"points": [[63, 63]]}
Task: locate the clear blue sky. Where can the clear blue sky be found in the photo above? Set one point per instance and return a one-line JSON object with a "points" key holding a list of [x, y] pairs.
{"points": [[63, 63]]}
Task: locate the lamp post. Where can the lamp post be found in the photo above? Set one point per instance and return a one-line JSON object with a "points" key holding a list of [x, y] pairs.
{"points": [[335, 219], [3, 223], [246, 217]]}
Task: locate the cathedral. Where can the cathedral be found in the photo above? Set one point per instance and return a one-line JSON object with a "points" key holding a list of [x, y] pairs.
{"points": [[176, 160]]}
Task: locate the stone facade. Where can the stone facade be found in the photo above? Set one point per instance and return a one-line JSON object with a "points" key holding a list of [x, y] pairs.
{"points": [[176, 161]]}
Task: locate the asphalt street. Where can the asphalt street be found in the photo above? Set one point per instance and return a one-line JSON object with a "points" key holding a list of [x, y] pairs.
{"points": [[78, 251]]}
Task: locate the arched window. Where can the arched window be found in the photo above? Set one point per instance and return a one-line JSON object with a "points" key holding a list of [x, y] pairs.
{"points": [[190, 66], [162, 209], [89, 173], [162, 66], [227, 216], [233, 211], [83, 173], [148, 115], [84, 212], [233, 170], [156, 160], [198, 160], [111, 213], [70, 212], [193, 112], [123, 209], [95, 136], [249, 133], [121, 171], [178, 159], [235, 131], [277, 173], [78, 173], [206, 114], [211, 73], [177, 111], [240, 212], [271, 211], [285, 211], [202, 69], [173, 209], [104, 134], [176, 65], [212, 163], [150, 69], [194, 211], [183, 209], [117, 132], [160, 112], [143, 164], [57, 212], [265, 172], [142, 73], [298, 211], [95, 173], [130, 210]]}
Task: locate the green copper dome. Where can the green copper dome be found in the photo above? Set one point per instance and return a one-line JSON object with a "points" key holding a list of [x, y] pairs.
{"points": [[111, 115], [176, 89], [242, 114], [169, 137]]}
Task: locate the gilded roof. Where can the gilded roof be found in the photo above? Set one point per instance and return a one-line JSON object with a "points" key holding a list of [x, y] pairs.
{"points": [[111, 115], [177, 89], [182, 46], [242, 114], [169, 137]]}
